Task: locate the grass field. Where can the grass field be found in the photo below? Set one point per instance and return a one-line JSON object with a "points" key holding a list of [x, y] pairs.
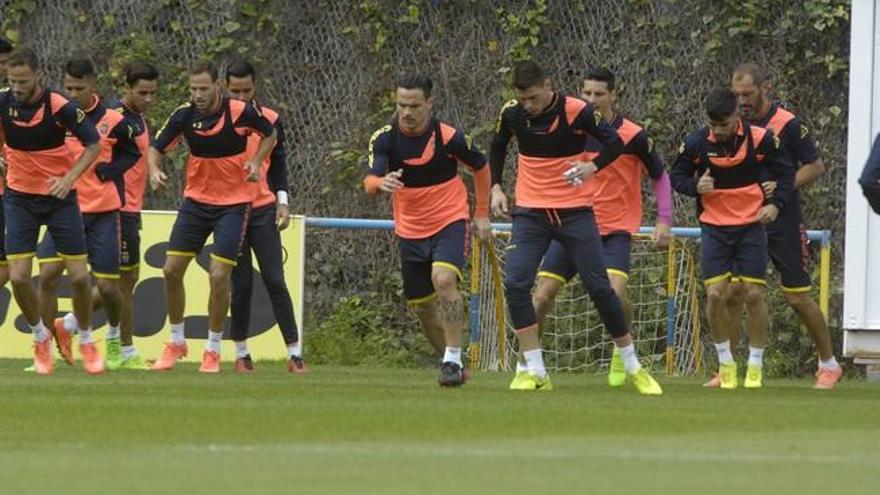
{"points": [[381, 431]]}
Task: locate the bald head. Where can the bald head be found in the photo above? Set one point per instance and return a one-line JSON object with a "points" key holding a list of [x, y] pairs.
{"points": [[751, 86]]}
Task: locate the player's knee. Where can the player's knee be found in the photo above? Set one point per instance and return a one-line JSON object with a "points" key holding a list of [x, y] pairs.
{"points": [[799, 301], [49, 278], [754, 294], [275, 283], [219, 277], [716, 294], [543, 297], [108, 288], [78, 278], [445, 281], [19, 278], [172, 272]]}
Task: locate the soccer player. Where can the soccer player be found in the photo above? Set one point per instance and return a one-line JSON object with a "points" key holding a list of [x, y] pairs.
{"points": [[101, 193], [554, 203], [141, 85], [618, 208], [41, 173], [415, 159], [786, 236], [270, 214], [723, 165], [217, 199]]}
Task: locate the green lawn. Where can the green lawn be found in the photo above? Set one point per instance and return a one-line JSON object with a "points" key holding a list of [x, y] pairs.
{"points": [[381, 431]]}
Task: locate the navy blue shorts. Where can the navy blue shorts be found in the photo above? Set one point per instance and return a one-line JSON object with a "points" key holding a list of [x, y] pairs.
{"points": [[789, 252], [196, 221], [102, 244], [735, 251], [615, 248], [25, 213], [130, 240], [446, 248]]}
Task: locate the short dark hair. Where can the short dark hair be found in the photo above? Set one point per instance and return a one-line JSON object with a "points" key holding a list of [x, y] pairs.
{"points": [[203, 66], [720, 104], [23, 56], [527, 74], [241, 68], [752, 70], [80, 68], [5, 46], [416, 80], [137, 71], [600, 74]]}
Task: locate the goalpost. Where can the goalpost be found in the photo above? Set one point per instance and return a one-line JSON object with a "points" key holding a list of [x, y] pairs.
{"points": [[664, 286]]}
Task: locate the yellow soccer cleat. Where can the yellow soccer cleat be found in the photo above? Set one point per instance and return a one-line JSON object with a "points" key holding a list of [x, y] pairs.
{"points": [[527, 381], [754, 377], [645, 383], [727, 372], [616, 371], [521, 381]]}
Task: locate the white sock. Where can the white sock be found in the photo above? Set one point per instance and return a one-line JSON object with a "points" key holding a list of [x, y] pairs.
{"points": [[214, 341], [831, 364], [535, 362], [630, 359], [70, 323], [241, 349], [128, 351], [177, 335], [294, 350], [39, 331], [452, 355], [112, 332], [756, 356], [85, 336], [724, 354], [521, 366]]}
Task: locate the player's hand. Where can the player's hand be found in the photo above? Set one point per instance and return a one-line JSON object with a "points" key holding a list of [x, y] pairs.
{"points": [[157, 179], [579, 172], [60, 186], [2, 165], [282, 216], [498, 202], [391, 181], [706, 184], [769, 188], [483, 228], [662, 234], [253, 169], [768, 214]]}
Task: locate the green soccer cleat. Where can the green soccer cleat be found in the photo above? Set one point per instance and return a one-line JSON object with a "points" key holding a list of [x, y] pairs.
{"points": [[754, 377], [134, 363], [30, 369], [645, 383], [527, 381], [727, 372], [616, 371], [113, 354]]}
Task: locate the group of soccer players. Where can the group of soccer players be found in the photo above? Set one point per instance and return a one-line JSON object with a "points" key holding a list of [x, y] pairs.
{"points": [[79, 164], [578, 200]]}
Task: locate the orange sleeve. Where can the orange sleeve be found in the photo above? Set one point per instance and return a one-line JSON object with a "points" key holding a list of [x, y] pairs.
{"points": [[371, 184], [482, 180]]}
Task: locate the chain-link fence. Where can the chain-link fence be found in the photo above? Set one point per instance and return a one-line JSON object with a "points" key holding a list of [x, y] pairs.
{"points": [[328, 67]]}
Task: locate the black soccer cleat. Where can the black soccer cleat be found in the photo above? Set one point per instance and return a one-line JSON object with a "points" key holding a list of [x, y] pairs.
{"points": [[452, 375]]}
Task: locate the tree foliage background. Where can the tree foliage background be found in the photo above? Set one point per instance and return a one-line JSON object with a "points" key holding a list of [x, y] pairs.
{"points": [[328, 67]]}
